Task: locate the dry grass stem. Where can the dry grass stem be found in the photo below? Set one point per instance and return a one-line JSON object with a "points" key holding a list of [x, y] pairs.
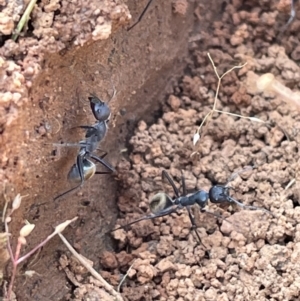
{"points": [[208, 116], [94, 273]]}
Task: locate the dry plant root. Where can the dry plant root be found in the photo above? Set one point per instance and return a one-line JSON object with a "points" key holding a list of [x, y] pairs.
{"points": [[268, 82], [208, 116], [95, 274]]}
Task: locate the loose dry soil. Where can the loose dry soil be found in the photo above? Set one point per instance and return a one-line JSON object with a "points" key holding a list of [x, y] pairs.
{"points": [[251, 255]]}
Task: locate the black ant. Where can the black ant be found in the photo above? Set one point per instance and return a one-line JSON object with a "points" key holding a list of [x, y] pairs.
{"points": [[84, 168], [161, 204]]}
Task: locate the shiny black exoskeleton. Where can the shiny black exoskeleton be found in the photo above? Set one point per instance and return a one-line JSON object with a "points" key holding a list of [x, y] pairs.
{"points": [[84, 168], [161, 204]]}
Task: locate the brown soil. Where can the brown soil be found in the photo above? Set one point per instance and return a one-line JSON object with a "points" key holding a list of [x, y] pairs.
{"points": [[48, 76]]}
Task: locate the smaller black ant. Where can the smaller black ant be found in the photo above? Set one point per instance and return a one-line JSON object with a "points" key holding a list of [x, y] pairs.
{"points": [[161, 204], [84, 168]]}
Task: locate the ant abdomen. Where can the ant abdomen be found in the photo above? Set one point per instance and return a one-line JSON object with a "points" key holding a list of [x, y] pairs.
{"points": [[159, 202], [89, 169]]}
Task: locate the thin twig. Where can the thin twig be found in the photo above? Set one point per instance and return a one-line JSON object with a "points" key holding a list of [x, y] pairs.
{"points": [[106, 285], [44, 242], [123, 279], [24, 232], [208, 116], [291, 182]]}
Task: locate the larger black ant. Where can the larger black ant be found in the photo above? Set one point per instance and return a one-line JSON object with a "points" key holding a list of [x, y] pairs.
{"points": [[84, 168], [161, 204]]}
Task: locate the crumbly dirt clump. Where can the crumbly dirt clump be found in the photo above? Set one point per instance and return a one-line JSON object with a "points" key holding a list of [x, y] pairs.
{"points": [[249, 255], [53, 26], [60, 45]]}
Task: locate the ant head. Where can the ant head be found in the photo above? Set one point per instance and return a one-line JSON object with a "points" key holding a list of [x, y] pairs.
{"points": [[219, 194], [99, 108], [159, 202], [201, 198], [89, 169]]}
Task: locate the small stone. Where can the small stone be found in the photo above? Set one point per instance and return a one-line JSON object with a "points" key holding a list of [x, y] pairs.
{"points": [[174, 102]]}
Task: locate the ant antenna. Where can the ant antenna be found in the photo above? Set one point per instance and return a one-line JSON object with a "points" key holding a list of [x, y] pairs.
{"points": [[249, 207], [162, 213], [231, 199], [215, 215]]}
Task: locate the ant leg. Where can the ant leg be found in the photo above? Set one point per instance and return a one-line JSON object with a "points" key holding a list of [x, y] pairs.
{"points": [[231, 199], [102, 157], [230, 187], [102, 172], [85, 127], [164, 174], [194, 226], [164, 212], [183, 183], [215, 215], [90, 130], [66, 144], [78, 144], [141, 16], [100, 160], [79, 163], [104, 153]]}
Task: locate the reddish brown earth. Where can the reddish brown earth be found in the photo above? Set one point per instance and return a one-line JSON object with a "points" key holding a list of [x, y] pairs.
{"points": [[256, 255]]}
